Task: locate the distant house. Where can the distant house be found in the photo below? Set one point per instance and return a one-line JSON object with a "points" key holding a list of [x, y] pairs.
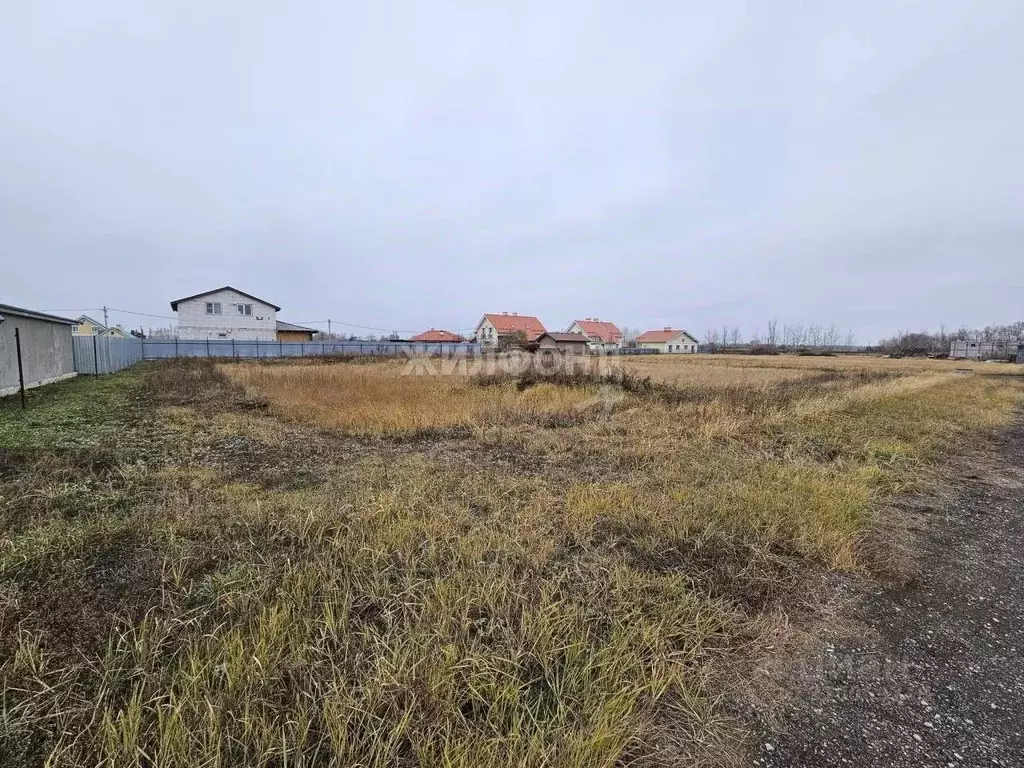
{"points": [[570, 343], [293, 332], [47, 353], [600, 333], [226, 313], [985, 350], [669, 341], [87, 326], [506, 329], [434, 336]]}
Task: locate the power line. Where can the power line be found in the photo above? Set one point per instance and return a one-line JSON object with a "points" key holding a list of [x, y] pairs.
{"points": [[113, 309], [303, 322], [144, 314], [373, 327]]}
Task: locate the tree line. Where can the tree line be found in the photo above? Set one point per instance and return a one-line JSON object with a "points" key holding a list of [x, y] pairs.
{"points": [[939, 341]]}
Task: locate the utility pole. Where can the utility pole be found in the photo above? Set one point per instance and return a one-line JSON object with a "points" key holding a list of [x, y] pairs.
{"points": [[328, 326], [106, 323]]}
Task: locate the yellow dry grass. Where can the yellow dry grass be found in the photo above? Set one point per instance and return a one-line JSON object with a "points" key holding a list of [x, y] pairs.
{"points": [[562, 585], [385, 398], [839, 362]]}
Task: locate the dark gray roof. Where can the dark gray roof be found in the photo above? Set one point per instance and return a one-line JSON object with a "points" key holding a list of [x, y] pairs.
{"points": [[564, 337], [6, 309], [174, 304], [283, 326]]}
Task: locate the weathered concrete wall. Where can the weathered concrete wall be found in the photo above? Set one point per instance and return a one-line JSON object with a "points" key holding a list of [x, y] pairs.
{"points": [[45, 352]]}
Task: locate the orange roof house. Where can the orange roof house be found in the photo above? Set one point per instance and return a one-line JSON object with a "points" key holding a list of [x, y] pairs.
{"points": [[494, 328], [435, 336], [668, 340], [597, 331]]}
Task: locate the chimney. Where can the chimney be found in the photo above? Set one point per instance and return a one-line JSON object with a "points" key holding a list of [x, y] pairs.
{"points": [[668, 328], [515, 313], [504, 313]]}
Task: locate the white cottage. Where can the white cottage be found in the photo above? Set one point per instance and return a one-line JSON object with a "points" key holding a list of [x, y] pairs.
{"points": [[669, 341], [226, 313]]}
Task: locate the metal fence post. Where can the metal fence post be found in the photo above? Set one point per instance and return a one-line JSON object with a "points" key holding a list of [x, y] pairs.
{"points": [[21, 370], [95, 355]]}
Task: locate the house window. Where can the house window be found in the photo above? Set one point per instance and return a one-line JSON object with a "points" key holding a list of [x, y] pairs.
{"points": [[244, 309], [213, 307]]}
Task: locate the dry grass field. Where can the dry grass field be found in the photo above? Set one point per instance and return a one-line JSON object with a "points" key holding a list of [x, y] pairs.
{"points": [[304, 564]]}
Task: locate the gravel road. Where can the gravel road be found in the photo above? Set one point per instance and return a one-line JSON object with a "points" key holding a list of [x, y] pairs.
{"points": [[929, 672]]}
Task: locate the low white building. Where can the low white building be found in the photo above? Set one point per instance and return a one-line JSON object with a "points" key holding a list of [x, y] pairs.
{"points": [[668, 341], [226, 313]]}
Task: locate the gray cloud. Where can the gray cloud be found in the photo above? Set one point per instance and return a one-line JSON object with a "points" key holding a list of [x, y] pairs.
{"points": [[407, 165]]}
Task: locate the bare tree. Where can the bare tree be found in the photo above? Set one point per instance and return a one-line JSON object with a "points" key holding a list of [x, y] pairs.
{"points": [[629, 335], [773, 335], [794, 335], [711, 339], [830, 337]]}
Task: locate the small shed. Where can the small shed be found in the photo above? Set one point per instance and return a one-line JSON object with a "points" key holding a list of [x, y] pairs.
{"points": [[569, 343], [47, 354], [293, 332]]}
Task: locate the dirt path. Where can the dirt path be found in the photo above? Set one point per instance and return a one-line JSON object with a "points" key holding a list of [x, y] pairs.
{"points": [[930, 672]]}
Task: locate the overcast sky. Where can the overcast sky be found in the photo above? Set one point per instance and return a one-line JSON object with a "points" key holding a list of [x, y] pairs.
{"points": [[404, 165]]}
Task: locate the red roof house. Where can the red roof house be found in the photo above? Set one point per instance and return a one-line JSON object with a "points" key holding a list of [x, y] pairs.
{"points": [[597, 331], [435, 336], [492, 327]]}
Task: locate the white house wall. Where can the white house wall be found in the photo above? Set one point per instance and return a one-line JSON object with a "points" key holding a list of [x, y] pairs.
{"points": [[486, 334], [595, 343], [195, 324]]}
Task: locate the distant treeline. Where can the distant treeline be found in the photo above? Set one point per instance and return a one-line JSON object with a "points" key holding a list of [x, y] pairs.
{"points": [[936, 342]]}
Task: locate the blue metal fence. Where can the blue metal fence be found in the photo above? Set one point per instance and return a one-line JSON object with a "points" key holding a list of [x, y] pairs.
{"points": [[161, 349], [104, 354]]}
